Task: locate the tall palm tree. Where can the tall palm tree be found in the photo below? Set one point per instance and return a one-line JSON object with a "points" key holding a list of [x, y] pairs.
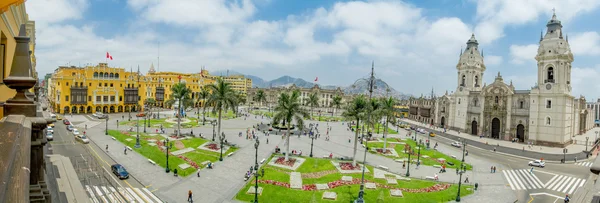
{"points": [[387, 110], [313, 100], [222, 98], [260, 97], [289, 109], [181, 93], [203, 95], [355, 111], [375, 111], [336, 103]]}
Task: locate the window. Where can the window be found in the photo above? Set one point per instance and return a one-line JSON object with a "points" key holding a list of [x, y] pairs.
{"points": [[66, 98], [90, 84], [496, 100], [98, 98], [105, 84], [548, 104], [121, 85], [95, 74], [105, 98], [2, 58], [548, 121], [458, 100], [521, 104], [462, 83], [90, 98], [111, 84], [120, 98], [550, 74], [475, 102], [112, 98], [476, 81], [99, 84], [67, 84]]}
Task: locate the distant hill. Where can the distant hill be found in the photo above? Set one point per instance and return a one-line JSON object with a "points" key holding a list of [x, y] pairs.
{"points": [[380, 90]]}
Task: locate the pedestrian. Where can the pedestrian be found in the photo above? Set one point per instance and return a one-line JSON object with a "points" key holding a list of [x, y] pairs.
{"points": [[531, 171], [567, 199], [190, 196], [125, 150], [467, 179], [86, 126], [106, 148], [267, 140], [403, 165], [492, 169], [198, 173]]}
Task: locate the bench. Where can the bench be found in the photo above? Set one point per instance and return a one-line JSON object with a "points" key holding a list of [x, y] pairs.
{"points": [[262, 161], [383, 167], [230, 153], [429, 177], [152, 162], [205, 163], [326, 156], [453, 156], [129, 148], [113, 138]]}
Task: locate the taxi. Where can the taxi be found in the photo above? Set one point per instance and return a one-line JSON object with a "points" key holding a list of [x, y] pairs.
{"points": [[59, 117], [431, 134]]}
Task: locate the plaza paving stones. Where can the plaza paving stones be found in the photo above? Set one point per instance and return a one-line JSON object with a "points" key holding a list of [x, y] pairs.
{"points": [[330, 195], [396, 193], [252, 190], [297, 164], [347, 178], [182, 151], [371, 185], [392, 181], [184, 166], [322, 186], [296, 180]]}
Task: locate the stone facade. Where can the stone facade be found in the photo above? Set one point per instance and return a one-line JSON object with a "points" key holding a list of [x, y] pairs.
{"points": [[546, 115]]}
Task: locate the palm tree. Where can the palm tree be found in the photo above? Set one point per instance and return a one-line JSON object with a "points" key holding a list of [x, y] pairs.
{"points": [[203, 95], [181, 93], [375, 110], [336, 103], [221, 98], [387, 110], [260, 97], [313, 100], [289, 109], [355, 111]]}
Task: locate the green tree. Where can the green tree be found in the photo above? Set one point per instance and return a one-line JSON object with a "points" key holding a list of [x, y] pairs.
{"points": [[181, 93], [355, 111], [222, 98], [376, 114], [203, 95], [289, 109], [387, 111], [150, 101], [336, 103], [313, 100]]}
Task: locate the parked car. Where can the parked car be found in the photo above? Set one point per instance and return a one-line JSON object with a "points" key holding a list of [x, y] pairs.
{"points": [[431, 134], [82, 138], [102, 116], [538, 163], [75, 132], [456, 144], [140, 115], [66, 122], [49, 136], [51, 125], [70, 128], [52, 115], [120, 171], [59, 117], [50, 129]]}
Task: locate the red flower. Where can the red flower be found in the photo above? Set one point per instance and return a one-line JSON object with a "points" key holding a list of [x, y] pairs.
{"points": [[213, 146], [281, 161], [349, 166]]}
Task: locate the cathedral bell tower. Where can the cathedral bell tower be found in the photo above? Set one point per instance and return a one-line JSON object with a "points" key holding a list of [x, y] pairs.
{"points": [[470, 67], [554, 60]]}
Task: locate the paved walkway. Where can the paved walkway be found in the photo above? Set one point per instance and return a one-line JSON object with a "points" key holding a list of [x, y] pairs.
{"points": [[508, 147]]}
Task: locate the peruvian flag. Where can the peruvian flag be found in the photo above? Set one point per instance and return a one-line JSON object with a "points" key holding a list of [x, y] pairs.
{"points": [[108, 56], [316, 79]]}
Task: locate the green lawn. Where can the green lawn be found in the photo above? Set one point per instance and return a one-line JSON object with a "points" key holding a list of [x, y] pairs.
{"points": [[379, 128], [158, 156], [433, 154], [153, 122], [328, 118], [348, 193]]}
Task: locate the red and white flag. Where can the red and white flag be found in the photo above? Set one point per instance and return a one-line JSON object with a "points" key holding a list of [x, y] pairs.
{"points": [[108, 56], [316, 79]]}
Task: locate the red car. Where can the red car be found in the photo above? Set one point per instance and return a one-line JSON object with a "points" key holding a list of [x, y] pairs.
{"points": [[66, 122]]}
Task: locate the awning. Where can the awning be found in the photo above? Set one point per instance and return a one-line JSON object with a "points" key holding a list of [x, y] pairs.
{"points": [[5, 4]]}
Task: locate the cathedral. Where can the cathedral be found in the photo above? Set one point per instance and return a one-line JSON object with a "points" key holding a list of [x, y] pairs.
{"points": [[546, 114]]}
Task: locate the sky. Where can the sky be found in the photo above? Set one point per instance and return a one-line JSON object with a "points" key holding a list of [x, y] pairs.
{"points": [[415, 45]]}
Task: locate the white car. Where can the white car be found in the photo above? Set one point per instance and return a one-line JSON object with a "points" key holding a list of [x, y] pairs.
{"points": [[50, 129], [75, 132], [456, 144], [538, 163], [82, 138]]}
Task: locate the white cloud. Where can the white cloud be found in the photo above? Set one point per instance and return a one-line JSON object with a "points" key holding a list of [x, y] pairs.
{"points": [[494, 15], [491, 60], [587, 43], [194, 13], [523, 53], [52, 11], [584, 82]]}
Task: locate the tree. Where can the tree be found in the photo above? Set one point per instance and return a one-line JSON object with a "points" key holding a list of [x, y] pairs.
{"points": [[387, 110], [375, 110], [150, 101], [289, 109], [260, 97], [222, 97], [355, 111], [336, 103], [203, 95], [313, 100], [181, 93]]}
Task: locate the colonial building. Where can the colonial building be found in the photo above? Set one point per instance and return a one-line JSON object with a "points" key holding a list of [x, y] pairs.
{"points": [[272, 94], [108, 89], [546, 114]]}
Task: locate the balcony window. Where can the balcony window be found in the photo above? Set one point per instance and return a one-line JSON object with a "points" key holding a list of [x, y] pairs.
{"points": [[98, 98]]}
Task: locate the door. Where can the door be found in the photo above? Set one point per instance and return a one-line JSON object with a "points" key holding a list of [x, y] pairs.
{"points": [[521, 132], [496, 128], [443, 122], [474, 128]]}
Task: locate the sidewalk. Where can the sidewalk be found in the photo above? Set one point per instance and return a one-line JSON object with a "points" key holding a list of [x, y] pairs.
{"points": [[508, 147]]}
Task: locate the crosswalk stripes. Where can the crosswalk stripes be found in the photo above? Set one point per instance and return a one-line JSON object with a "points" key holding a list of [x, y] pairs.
{"points": [[522, 179], [108, 194], [564, 184], [584, 163], [89, 124]]}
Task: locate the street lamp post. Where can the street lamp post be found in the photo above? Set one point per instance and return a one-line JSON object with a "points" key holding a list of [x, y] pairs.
{"points": [[362, 183], [214, 123], [137, 136], [106, 127], [312, 140], [129, 118], [408, 167], [463, 171], [256, 169], [222, 137], [148, 121], [419, 155], [145, 118], [167, 146]]}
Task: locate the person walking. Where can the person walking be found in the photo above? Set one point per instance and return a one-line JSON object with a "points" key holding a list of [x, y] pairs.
{"points": [[567, 199], [190, 199], [467, 179], [531, 171], [106, 148], [125, 150], [492, 169]]}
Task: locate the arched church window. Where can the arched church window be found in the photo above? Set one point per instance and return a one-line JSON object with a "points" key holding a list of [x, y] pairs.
{"points": [[475, 102], [551, 74], [496, 100], [521, 104], [547, 120], [462, 83], [458, 100], [476, 81]]}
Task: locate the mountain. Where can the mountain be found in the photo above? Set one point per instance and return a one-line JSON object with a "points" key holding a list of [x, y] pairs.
{"points": [[257, 81], [225, 72], [380, 90]]}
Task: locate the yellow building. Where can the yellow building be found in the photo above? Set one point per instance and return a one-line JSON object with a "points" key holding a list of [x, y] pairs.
{"points": [[401, 111], [12, 16], [239, 83], [107, 89]]}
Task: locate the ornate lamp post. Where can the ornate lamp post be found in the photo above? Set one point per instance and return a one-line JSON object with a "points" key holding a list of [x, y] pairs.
{"points": [[148, 120], [222, 138], [408, 168], [462, 171], [255, 168], [145, 118], [167, 146], [362, 183], [586, 143], [137, 136], [312, 140], [129, 118], [214, 123], [419, 154], [106, 127]]}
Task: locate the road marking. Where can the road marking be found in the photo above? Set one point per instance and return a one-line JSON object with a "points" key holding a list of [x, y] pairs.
{"points": [[147, 186], [543, 193], [509, 181], [585, 163], [565, 184], [553, 177], [573, 188], [545, 172], [530, 196]]}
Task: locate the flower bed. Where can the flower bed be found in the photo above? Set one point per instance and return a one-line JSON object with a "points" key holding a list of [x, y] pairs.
{"points": [[277, 183], [349, 166], [356, 181], [281, 161], [188, 160], [318, 174], [386, 151], [213, 146], [338, 183], [309, 187]]}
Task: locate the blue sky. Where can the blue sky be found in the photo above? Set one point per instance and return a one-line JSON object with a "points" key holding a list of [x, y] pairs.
{"points": [[415, 44]]}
